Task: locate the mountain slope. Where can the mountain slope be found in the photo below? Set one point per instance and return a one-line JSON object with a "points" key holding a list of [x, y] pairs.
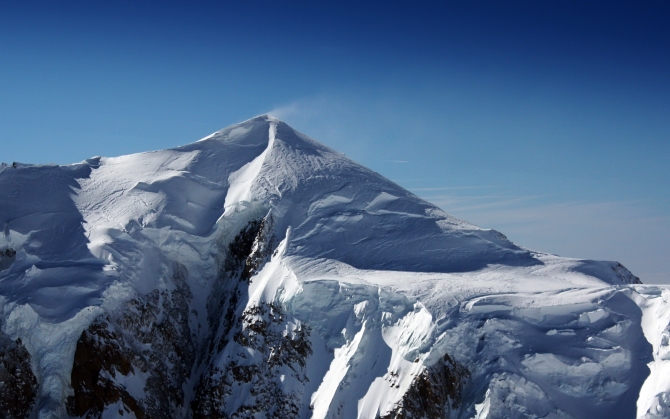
{"points": [[258, 273]]}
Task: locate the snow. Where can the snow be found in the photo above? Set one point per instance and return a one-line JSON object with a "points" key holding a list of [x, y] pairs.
{"points": [[240, 181], [388, 282], [654, 400], [323, 397]]}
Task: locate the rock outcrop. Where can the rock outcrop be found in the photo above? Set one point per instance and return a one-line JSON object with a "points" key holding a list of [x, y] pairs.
{"points": [[18, 384]]}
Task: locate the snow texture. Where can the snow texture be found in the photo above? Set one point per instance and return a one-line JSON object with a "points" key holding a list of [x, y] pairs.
{"points": [[258, 273]]}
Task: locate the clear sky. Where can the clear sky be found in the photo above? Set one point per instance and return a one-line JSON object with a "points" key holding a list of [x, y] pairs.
{"points": [[547, 120]]}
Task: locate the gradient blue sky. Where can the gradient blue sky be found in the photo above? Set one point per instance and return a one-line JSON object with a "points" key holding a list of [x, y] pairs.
{"points": [[547, 120]]}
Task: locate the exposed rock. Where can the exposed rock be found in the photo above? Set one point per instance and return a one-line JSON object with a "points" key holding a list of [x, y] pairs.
{"points": [[7, 256], [265, 329], [150, 341], [262, 248], [150, 336], [434, 392], [231, 283], [8, 253], [98, 359], [280, 345], [250, 249], [18, 385], [280, 348]]}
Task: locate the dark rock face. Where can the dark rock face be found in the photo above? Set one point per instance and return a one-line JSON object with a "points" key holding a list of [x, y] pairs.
{"points": [[222, 308], [99, 357], [150, 343], [270, 350], [434, 392], [8, 253], [7, 256], [280, 346], [245, 255], [250, 249], [150, 337], [18, 385]]}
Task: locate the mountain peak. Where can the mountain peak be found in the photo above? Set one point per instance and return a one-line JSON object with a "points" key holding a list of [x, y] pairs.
{"points": [[258, 270], [261, 129]]}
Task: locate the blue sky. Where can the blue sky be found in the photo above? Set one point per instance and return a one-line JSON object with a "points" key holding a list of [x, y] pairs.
{"points": [[547, 120]]}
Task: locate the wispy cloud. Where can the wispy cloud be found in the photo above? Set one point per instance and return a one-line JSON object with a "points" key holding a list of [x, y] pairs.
{"points": [[288, 110], [309, 110], [624, 231], [451, 188], [364, 127], [331, 119]]}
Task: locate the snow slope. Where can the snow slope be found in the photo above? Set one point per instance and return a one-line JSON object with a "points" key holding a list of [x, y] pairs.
{"points": [[258, 273]]}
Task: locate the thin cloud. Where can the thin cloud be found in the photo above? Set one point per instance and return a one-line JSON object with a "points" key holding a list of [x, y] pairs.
{"points": [[287, 111], [451, 188], [627, 232]]}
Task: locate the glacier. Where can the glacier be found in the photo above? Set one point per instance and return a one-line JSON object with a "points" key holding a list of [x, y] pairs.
{"points": [[257, 273]]}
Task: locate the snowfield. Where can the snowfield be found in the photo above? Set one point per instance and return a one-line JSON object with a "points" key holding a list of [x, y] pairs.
{"points": [[258, 273]]}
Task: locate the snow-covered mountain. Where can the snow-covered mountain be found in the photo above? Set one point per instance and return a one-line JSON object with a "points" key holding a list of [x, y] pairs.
{"points": [[258, 273]]}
